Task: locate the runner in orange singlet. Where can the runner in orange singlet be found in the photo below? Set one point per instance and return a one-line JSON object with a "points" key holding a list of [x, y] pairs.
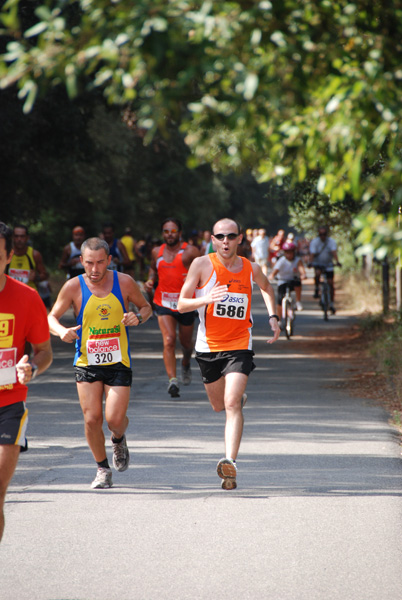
{"points": [[170, 263], [222, 284]]}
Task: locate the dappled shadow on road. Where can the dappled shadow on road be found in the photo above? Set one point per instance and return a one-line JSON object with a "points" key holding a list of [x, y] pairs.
{"points": [[185, 472], [304, 436]]}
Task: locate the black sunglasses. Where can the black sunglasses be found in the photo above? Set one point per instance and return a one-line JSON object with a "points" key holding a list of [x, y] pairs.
{"points": [[221, 236]]}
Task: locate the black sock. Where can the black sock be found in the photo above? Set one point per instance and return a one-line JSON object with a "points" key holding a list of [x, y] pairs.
{"points": [[117, 441], [104, 464]]}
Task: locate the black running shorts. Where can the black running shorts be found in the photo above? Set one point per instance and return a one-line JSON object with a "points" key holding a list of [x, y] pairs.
{"points": [[13, 425], [182, 318], [214, 365], [323, 269], [281, 291], [117, 375]]}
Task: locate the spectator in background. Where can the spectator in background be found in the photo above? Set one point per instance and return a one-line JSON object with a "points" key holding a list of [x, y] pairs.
{"points": [[244, 248], [27, 264], [120, 259], [196, 238], [206, 244], [259, 247], [290, 238], [129, 243], [275, 246], [71, 256]]}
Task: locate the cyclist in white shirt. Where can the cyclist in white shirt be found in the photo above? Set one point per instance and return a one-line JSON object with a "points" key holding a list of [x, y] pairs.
{"points": [[289, 270]]}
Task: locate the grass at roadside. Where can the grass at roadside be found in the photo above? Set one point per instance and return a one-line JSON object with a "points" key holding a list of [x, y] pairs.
{"points": [[381, 338]]}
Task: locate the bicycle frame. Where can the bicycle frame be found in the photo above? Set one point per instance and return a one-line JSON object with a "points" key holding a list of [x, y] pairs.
{"points": [[288, 312], [325, 298]]}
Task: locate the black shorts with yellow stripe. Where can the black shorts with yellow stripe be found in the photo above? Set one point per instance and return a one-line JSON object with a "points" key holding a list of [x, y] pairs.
{"points": [[13, 425]]}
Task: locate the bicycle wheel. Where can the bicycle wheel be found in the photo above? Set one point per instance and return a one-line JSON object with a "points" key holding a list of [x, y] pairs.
{"points": [[293, 318], [325, 300], [287, 317]]}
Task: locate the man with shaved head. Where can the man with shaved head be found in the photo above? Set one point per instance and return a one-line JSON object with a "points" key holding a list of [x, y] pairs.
{"points": [[222, 283]]}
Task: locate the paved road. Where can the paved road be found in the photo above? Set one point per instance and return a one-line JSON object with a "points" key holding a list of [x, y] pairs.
{"points": [[316, 515]]}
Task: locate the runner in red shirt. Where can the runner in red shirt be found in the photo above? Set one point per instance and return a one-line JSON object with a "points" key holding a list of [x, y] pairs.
{"points": [[23, 318], [170, 263]]}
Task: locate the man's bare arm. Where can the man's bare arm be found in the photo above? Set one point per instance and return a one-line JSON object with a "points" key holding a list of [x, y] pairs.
{"points": [[42, 358], [133, 293], [268, 295], [65, 300], [194, 277], [152, 273]]}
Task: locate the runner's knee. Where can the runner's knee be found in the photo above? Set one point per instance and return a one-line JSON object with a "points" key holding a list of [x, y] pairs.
{"points": [[93, 421], [117, 423], [233, 404], [169, 341]]}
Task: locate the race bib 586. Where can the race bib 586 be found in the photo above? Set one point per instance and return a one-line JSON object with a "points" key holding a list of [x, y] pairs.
{"points": [[232, 306]]}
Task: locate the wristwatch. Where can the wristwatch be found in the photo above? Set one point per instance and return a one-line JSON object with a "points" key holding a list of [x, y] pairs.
{"points": [[274, 317], [34, 371], [139, 317]]}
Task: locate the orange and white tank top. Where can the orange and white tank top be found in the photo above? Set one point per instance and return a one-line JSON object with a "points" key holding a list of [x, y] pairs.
{"points": [[171, 276], [226, 325]]}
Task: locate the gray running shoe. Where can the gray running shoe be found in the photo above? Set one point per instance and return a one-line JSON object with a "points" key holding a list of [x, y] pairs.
{"points": [[121, 455], [186, 374], [103, 479], [173, 388], [227, 470], [243, 400]]}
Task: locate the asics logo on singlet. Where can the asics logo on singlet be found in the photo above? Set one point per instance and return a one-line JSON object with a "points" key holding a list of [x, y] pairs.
{"points": [[234, 281], [233, 299]]}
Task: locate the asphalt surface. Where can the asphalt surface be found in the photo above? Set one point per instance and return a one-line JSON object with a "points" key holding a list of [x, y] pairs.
{"points": [[316, 514]]}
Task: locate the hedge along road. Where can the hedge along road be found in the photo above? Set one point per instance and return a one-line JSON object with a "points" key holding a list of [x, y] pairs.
{"points": [[316, 513]]}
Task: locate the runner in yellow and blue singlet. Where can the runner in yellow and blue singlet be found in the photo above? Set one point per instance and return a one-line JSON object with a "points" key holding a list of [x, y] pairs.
{"points": [[102, 339], [100, 300]]}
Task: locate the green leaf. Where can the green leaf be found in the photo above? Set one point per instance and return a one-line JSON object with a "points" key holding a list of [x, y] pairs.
{"points": [[36, 29]]}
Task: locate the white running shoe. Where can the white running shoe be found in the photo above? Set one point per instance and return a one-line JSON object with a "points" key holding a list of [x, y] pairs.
{"points": [[121, 455], [299, 306], [103, 479]]}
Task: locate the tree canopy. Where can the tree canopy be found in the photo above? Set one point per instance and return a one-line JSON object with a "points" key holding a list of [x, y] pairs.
{"points": [[295, 90]]}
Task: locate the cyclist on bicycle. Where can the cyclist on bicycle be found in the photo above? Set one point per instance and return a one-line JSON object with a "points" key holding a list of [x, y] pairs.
{"points": [[289, 270], [323, 253]]}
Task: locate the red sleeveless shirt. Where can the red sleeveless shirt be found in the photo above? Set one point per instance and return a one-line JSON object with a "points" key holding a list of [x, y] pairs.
{"points": [[171, 276]]}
